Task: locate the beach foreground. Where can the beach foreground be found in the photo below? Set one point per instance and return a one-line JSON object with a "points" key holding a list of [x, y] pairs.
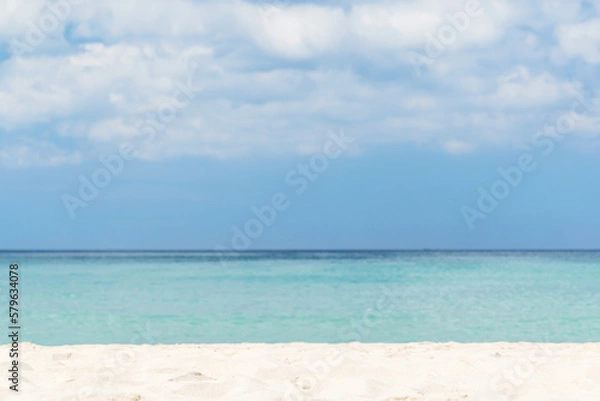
{"points": [[300, 371]]}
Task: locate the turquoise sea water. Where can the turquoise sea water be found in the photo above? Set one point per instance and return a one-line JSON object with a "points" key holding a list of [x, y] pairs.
{"points": [[203, 297]]}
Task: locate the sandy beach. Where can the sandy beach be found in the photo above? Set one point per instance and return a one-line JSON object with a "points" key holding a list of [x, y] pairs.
{"points": [[300, 371]]}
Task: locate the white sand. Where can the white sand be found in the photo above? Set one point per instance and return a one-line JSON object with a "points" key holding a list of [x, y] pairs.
{"points": [[288, 372]]}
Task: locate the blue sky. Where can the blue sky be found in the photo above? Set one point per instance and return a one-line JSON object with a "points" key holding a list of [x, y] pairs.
{"points": [[216, 103]]}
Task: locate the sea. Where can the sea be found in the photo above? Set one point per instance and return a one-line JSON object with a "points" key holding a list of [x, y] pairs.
{"points": [[304, 296]]}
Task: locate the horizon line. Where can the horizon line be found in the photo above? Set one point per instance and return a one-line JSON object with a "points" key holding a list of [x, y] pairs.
{"points": [[315, 250]]}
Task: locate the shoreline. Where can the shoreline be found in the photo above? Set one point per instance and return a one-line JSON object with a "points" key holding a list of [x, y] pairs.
{"points": [[310, 371]]}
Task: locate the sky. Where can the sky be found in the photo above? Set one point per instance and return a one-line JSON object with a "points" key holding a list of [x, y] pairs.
{"points": [[238, 125]]}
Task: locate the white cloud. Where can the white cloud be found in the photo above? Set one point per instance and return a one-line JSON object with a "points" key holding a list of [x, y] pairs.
{"points": [[458, 147], [37, 154], [16, 15], [157, 18], [93, 80], [293, 31], [520, 88], [276, 80], [393, 25], [581, 40]]}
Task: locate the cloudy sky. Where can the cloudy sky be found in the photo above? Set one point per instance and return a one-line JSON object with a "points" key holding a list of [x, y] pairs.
{"points": [[219, 102]]}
